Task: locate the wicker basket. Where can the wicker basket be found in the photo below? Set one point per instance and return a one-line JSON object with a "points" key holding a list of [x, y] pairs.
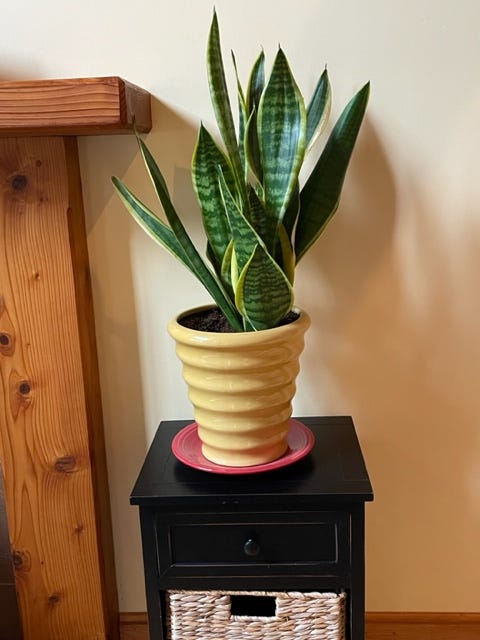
{"points": [[207, 615]]}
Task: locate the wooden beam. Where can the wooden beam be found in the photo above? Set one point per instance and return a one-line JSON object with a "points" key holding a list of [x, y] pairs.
{"points": [[84, 106], [47, 432], [51, 430]]}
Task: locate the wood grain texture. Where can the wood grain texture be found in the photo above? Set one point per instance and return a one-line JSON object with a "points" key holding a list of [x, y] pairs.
{"points": [[46, 443], [91, 382], [80, 106], [380, 626]]}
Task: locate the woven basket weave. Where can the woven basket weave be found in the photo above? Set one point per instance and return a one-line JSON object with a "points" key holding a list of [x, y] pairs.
{"points": [[206, 615]]}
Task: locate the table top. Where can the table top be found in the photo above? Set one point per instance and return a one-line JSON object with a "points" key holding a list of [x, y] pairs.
{"points": [[333, 472]]}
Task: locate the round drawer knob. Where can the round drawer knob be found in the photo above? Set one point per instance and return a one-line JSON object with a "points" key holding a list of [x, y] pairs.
{"points": [[251, 547]]}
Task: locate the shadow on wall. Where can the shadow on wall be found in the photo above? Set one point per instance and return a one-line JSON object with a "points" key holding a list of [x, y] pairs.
{"points": [[126, 265], [18, 70], [333, 277], [412, 379], [171, 143], [396, 333], [113, 240], [122, 285]]}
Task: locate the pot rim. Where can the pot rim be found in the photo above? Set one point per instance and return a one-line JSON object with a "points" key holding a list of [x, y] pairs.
{"points": [[186, 334]]}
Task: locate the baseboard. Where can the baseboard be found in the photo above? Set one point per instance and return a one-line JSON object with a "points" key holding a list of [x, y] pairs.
{"points": [[380, 626], [423, 626], [133, 626]]}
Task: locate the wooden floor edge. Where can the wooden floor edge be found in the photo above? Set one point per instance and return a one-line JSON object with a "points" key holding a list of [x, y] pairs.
{"points": [[133, 617], [380, 625], [421, 617], [133, 626]]}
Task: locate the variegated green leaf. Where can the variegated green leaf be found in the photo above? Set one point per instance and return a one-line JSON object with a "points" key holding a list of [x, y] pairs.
{"points": [[201, 270], [242, 121], [256, 83], [243, 235], [266, 304], [291, 213], [318, 110], [282, 122], [226, 269], [151, 224], [287, 262], [320, 196], [221, 102], [213, 259], [188, 255], [264, 225], [207, 158], [254, 92], [263, 293], [249, 194], [174, 221]]}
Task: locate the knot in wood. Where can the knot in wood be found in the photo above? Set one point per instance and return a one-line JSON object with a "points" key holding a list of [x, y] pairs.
{"points": [[21, 560], [17, 559], [19, 182], [24, 387], [66, 464], [54, 599], [7, 343]]}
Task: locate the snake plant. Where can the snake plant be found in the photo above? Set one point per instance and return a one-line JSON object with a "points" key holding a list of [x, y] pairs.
{"points": [[258, 220]]}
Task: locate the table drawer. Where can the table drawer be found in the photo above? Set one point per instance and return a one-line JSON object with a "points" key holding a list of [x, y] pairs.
{"points": [[316, 540]]}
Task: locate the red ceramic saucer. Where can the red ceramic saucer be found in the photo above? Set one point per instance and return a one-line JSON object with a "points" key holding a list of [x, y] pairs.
{"points": [[186, 447]]}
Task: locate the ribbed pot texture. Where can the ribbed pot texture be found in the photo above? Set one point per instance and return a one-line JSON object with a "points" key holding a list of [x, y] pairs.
{"points": [[241, 386]]}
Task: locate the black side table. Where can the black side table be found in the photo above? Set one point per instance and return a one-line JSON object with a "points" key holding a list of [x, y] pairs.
{"points": [[300, 528]]}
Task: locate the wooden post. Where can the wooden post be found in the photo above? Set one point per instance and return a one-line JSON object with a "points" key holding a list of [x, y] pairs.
{"points": [[51, 431]]}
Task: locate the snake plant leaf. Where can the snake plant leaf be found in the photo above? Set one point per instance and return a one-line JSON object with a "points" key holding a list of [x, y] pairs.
{"points": [[318, 110], [256, 83], [221, 102], [252, 148], [291, 212], [163, 235], [255, 88], [207, 158], [320, 195], [287, 262], [264, 225], [226, 270], [201, 270], [160, 187], [243, 235], [263, 293], [282, 123], [234, 271], [213, 258], [257, 221], [242, 121], [151, 224]]}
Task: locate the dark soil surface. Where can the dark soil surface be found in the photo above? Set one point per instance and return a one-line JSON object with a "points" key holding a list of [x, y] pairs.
{"points": [[214, 321]]}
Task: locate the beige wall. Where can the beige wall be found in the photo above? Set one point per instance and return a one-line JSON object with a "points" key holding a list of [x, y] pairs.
{"points": [[393, 286]]}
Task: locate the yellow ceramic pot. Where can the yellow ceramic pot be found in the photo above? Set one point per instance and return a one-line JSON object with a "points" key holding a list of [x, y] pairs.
{"points": [[241, 386]]}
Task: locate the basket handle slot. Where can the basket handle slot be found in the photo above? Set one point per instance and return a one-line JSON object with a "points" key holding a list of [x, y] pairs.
{"points": [[253, 605]]}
